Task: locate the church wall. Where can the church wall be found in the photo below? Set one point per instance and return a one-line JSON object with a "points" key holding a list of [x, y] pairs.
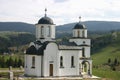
{"points": [[45, 31], [50, 57], [67, 70], [36, 71], [87, 52], [85, 33], [53, 31]]}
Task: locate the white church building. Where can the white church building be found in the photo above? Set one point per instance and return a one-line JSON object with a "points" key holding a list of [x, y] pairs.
{"points": [[45, 57]]}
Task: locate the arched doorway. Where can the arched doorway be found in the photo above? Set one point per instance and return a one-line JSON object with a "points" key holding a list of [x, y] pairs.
{"points": [[85, 67]]}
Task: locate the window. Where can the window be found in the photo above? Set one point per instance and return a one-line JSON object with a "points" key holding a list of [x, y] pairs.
{"points": [[42, 31], [83, 52], [83, 34], [61, 62], [33, 62], [48, 31], [73, 33], [78, 33], [72, 61]]}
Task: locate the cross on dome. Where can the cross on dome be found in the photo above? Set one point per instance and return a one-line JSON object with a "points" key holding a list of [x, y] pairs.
{"points": [[79, 18], [45, 12]]}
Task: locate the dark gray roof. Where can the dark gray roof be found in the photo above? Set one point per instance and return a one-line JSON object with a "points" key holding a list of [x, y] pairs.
{"points": [[65, 47], [84, 45], [33, 51], [79, 26], [45, 20], [67, 43], [68, 46]]}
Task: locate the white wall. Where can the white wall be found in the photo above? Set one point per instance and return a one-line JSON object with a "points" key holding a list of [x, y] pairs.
{"points": [[28, 65], [87, 52], [67, 70], [45, 30], [51, 57], [82, 33]]}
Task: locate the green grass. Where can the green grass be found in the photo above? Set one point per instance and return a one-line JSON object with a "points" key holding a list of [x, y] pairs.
{"points": [[112, 51], [107, 74]]}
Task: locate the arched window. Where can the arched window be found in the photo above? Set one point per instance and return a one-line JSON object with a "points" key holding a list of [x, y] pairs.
{"points": [[83, 52], [72, 61], [33, 62], [48, 31], [78, 33], [61, 61], [42, 31], [83, 35]]}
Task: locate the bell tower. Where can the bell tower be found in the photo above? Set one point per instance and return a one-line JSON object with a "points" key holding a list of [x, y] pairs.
{"points": [[79, 30], [80, 34], [81, 39], [45, 28]]}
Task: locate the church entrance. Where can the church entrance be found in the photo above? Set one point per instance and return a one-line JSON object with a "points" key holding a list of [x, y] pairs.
{"points": [[51, 70], [85, 66]]}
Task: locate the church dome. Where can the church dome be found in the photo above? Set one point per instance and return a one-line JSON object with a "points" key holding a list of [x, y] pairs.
{"points": [[79, 26], [45, 20]]}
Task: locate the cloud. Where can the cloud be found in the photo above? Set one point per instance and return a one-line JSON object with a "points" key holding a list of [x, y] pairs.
{"points": [[61, 11]]}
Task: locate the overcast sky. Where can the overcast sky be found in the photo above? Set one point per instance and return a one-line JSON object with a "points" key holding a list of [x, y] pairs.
{"points": [[61, 11]]}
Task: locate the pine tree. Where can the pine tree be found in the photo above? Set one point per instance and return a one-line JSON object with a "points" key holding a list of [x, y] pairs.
{"points": [[109, 61], [115, 61]]}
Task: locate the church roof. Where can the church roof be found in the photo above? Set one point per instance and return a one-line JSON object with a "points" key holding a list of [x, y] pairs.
{"points": [[65, 47], [31, 50], [79, 26], [45, 20], [68, 46], [34, 51], [67, 43]]}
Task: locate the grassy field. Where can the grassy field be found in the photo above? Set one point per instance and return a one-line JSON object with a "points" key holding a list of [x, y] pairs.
{"points": [[112, 51]]}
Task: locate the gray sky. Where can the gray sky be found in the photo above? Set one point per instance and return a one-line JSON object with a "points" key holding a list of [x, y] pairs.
{"points": [[61, 11]]}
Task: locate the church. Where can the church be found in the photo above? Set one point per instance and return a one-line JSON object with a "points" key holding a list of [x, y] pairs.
{"points": [[45, 57]]}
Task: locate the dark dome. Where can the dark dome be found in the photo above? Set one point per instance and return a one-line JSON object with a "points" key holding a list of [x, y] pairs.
{"points": [[45, 20], [79, 26]]}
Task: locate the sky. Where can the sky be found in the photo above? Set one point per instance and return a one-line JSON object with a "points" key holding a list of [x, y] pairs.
{"points": [[60, 11]]}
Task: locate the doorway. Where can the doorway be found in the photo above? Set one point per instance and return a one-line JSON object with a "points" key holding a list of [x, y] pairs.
{"points": [[51, 70]]}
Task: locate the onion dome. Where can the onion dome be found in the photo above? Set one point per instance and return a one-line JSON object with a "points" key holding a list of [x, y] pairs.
{"points": [[45, 19], [79, 25]]}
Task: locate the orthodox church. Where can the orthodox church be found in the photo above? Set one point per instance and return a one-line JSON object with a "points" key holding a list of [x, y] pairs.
{"points": [[45, 57]]}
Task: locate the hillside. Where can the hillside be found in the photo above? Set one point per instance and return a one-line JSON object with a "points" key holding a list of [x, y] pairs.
{"points": [[92, 26], [17, 26], [106, 61], [66, 28], [101, 58], [14, 39]]}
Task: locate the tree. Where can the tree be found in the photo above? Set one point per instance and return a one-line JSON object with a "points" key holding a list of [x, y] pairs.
{"points": [[10, 62], [115, 61], [3, 63], [15, 62], [109, 61], [20, 62]]}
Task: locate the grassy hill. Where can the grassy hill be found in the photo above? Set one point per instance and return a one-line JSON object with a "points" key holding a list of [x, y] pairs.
{"points": [[111, 51], [101, 67]]}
